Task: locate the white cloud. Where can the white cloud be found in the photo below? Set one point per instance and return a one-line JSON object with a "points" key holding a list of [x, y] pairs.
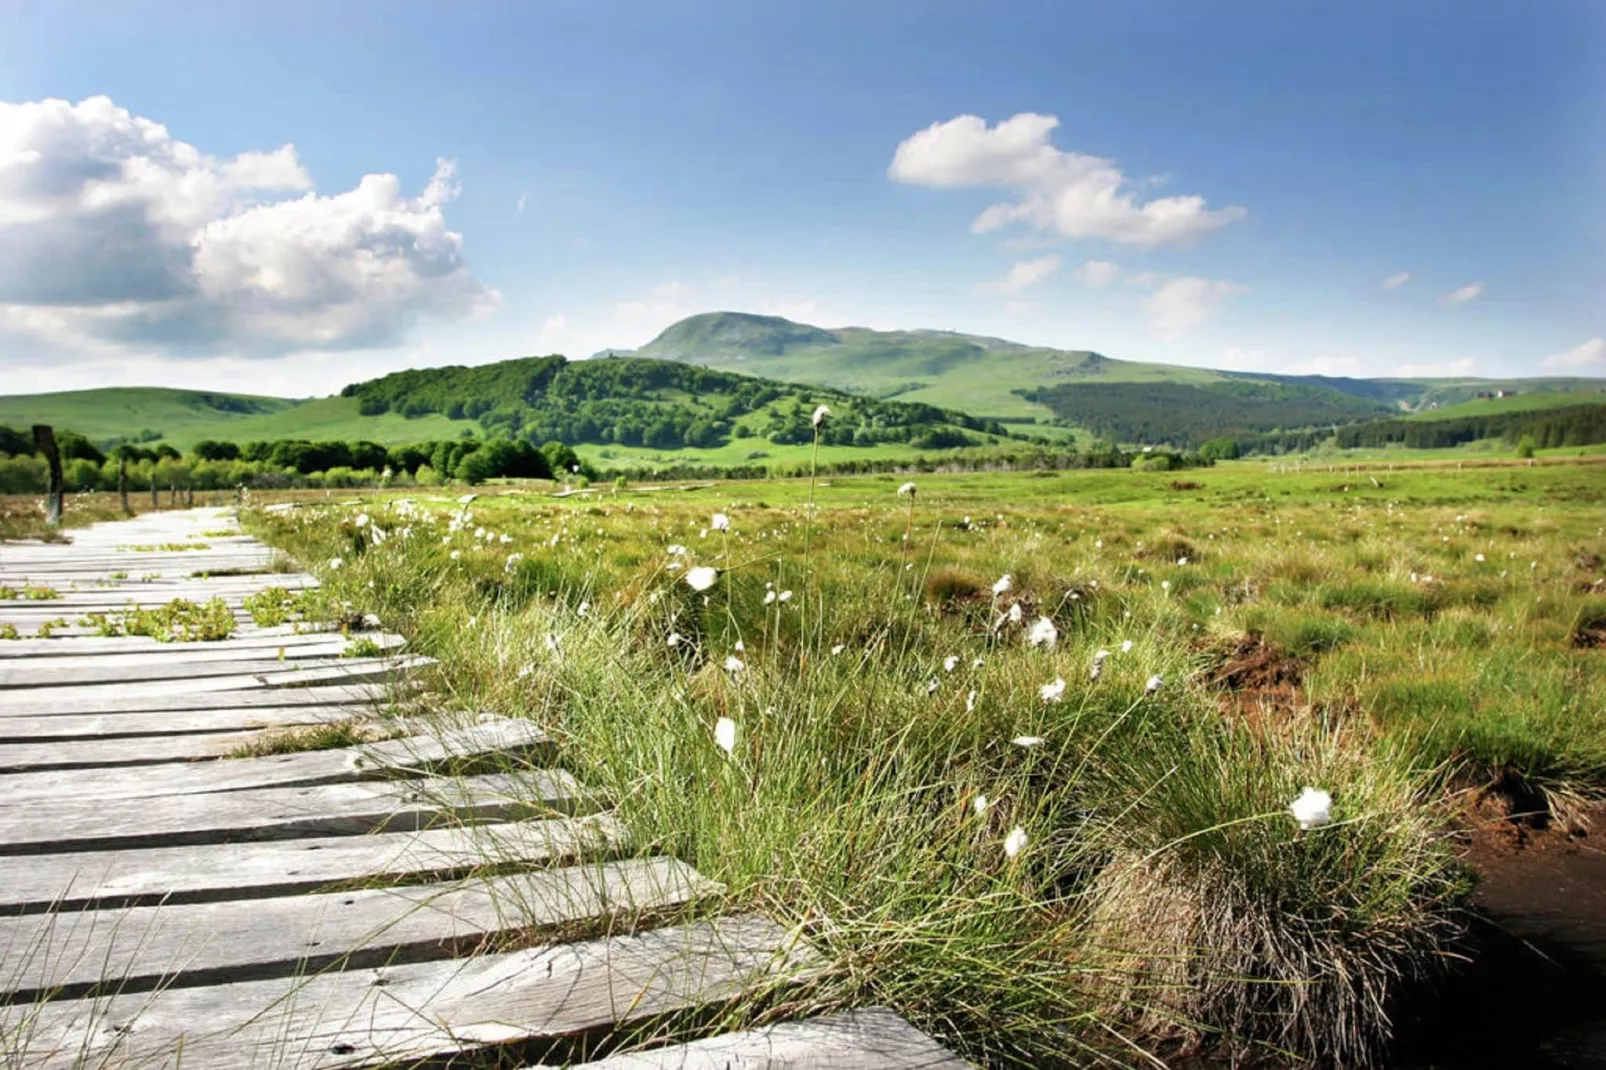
{"points": [[116, 234], [518, 206], [1470, 292], [1187, 301], [1024, 274], [1070, 194], [1143, 280], [1437, 369], [1396, 280], [1098, 272], [1587, 357]]}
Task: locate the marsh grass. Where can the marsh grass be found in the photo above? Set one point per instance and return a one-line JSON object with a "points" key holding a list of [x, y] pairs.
{"points": [[1164, 895]]}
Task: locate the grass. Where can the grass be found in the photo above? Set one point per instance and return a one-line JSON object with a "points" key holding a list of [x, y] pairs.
{"points": [[1164, 897], [179, 621]]}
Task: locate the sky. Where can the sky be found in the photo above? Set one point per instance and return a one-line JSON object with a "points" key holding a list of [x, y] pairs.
{"points": [[286, 198]]}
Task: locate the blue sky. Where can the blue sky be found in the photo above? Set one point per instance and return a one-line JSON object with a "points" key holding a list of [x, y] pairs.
{"points": [[1219, 184]]}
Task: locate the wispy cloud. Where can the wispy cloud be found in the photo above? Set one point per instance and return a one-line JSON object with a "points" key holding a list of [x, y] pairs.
{"points": [[1396, 280], [1187, 301], [518, 207], [1023, 275], [1587, 357], [1098, 272], [1470, 292]]}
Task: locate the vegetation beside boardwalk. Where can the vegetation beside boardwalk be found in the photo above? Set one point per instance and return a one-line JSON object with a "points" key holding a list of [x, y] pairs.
{"points": [[1039, 851]]}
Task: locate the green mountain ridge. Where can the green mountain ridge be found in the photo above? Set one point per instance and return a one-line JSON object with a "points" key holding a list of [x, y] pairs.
{"points": [[971, 384]]}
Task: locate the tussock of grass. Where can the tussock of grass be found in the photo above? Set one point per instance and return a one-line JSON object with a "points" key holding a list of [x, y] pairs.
{"points": [[179, 621], [310, 738]]}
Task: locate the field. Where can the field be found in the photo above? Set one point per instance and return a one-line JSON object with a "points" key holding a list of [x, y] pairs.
{"points": [[1046, 818]]}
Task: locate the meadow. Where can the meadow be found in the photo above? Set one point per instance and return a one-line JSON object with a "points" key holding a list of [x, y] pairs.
{"points": [[1018, 751]]}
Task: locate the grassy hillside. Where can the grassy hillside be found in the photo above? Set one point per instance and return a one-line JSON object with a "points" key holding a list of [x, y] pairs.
{"points": [[976, 374], [997, 378], [1490, 406], [178, 416]]}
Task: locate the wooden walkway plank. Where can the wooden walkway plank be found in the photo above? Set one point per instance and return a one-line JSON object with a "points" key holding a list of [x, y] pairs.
{"points": [[176, 946], [281, 676], [186, 662], [871, 1039], [78, 754], [109, 702], [242, 643], [413, 754], [254, 869], [412, 1011], [74, 824]]}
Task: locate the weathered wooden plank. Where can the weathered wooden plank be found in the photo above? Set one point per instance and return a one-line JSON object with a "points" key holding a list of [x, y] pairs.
{"points": [[74, 824], [416, 1010], [95, 727], [187, 661], [410, 755], [282, 677], [79, 754], [112, 702], [69, 955], [252, 870], [871, 1039], [243, 643]]}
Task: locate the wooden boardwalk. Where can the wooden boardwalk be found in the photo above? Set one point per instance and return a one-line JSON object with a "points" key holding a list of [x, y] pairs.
{"points": [[442, 889]]}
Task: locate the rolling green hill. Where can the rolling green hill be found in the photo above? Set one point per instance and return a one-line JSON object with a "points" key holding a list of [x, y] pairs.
{"points": [[997, 378], [154, 413], [725, 386]]}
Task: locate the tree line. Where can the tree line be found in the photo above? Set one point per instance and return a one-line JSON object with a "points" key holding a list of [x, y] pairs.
{"points": [[657, 404]]}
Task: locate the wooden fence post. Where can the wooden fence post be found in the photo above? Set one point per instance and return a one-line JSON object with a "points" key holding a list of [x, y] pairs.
{"points": [[44, 441], [156, 501], [122, 484]]}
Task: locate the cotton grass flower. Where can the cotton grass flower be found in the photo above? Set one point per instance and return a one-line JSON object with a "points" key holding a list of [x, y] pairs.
{"points": [[1028, 742], [674, 639], [1015, 842], [721, 522], [725, 734], [334, 564], [1043, 633], [1312, 809], [820, 414], [702, 577], [769, 596], [907, 489], [950, 663], [1155, 683], [1005, 584], [1052, 692], [784, 597], [979, 804], [1015, 613], [970, 702], [734, 664]]}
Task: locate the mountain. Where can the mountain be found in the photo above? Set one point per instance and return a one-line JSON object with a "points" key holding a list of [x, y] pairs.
{"points": [[1009, 381]]}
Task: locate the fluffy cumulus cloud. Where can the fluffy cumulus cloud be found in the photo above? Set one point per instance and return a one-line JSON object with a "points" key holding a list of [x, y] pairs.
{"points": [[117, 235], [1470, 292], [1396, 280], [1069, 194], [1587, 358], [1024, 274], [1184, 302]]}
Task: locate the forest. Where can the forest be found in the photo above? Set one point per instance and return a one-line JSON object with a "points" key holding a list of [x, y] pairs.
{"points": [[656, 404], [1186, 415]]}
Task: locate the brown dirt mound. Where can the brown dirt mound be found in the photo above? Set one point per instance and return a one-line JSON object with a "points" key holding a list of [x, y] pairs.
{"points": [[1590, 634], [1186, 484], [1256, 665]]}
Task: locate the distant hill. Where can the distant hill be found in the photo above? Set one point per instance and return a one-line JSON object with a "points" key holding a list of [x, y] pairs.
{"points": [[723, 387], [997, 378]]}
